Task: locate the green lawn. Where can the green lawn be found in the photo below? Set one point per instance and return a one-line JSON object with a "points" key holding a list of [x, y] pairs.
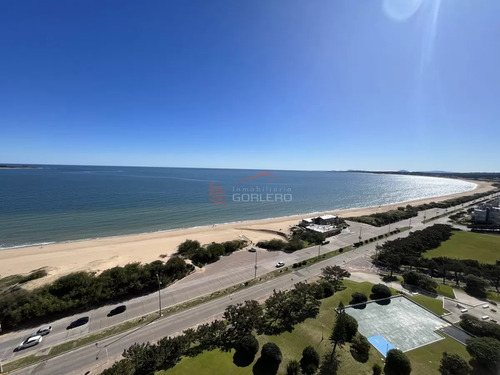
{"points": [[467, 245], [445, 290], [315, 332], [433, 304], [426, 360]]}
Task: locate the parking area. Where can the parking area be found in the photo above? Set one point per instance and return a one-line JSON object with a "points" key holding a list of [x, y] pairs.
{"points": [[483, 311], [400, 322]]}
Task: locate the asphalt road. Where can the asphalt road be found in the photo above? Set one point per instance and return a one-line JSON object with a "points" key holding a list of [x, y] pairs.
{"points": [[231, 270]]}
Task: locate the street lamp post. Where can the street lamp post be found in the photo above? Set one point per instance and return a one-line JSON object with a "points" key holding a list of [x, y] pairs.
{"points": [[159, 293], [255, 271], [319, 249]]}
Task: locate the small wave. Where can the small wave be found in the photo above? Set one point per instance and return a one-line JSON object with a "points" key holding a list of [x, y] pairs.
{"points": [[26, 245]]}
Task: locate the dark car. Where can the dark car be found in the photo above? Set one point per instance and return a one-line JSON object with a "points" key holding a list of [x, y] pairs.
{"points": [[117, 310], [79, 322], [252, 250]]}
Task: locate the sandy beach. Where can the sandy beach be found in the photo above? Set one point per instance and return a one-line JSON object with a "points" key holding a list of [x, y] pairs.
{"points": [[101, 254]]}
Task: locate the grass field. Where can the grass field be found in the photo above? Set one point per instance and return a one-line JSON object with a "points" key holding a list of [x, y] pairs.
{"points": [[426, 360], [433, 304], [445, 290], [484, 248], [315, 332]]}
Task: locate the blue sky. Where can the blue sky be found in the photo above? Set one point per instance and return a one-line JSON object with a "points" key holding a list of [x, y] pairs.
{"points": [[380, 84]]}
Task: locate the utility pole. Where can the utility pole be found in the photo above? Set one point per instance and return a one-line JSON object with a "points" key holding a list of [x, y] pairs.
{"points": [[159, 293], [360, 227], [255, 274], [319, 249]]}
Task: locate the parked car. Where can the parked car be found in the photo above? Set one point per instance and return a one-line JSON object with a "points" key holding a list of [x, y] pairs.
{"points": [[117, 310], [79, 322], [29, 342], [252, 250], [280, 264], [43, 331]]}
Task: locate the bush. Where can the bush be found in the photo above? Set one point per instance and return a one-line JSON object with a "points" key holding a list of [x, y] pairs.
{"points": [[380, 291], [377, 369], [453, 364], [360, 348], [273, 244], [188, 247], [271, 353], [293, 368], [310, 361], [357, 297], [80, 291], [245, 351], [397, 363], [389, 278]]}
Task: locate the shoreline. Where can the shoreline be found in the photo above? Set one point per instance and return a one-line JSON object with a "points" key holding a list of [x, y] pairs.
{"points": [[98, 254]]}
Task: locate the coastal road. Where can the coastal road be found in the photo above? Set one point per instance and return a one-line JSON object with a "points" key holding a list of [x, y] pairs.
{"points": [[231, 270]]}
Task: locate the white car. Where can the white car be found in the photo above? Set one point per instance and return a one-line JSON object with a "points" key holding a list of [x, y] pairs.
{"points": [[43, 331], [464, 310], [29, 342], [280, 264]]}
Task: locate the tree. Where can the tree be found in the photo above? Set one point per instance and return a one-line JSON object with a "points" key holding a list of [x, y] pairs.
{"points": [[334, 275], [377, 369], [397, 363], [310, 361], [475, 286], [420, 280], [351, 327], [339, 333], [293, 368], [453, 364], [479, 327], [485, 353], [381, 291], [330, 365], [360, 348], [123, 367], [241, 319], [357, 297], [271, 353], [492, 274], [393, 261], [246, 349]]}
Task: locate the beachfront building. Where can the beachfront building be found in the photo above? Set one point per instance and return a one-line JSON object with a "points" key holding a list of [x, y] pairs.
{"points": [[487, 214], [325, 224]]}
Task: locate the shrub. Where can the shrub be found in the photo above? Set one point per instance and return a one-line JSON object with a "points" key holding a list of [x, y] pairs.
{"points": [[397, 363], [377, 369], [381, 291], [357, 297], [293, 368], [453, 364], [271, 353], [310, 360], [361, 347]]}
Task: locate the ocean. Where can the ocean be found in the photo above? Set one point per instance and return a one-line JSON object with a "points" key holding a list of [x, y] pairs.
{"points": [[63, 203]]}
